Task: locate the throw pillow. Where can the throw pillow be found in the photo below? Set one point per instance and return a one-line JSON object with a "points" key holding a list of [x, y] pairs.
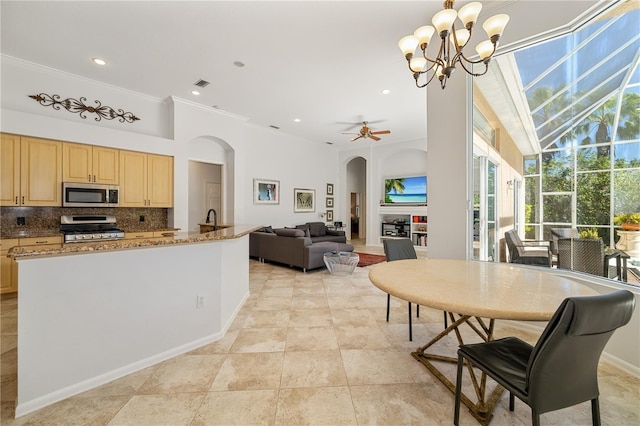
{"points": [[307, 233], [317, 229], [286, 232], [269, 230]]}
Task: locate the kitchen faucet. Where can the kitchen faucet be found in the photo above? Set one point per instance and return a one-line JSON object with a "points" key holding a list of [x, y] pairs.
{"points": [[215, 219]]}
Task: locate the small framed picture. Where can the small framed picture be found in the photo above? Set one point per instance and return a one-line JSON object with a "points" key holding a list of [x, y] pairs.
{"points": [[329, 202], [304, 200], [329, 215], [329, 189], [266, 191]]}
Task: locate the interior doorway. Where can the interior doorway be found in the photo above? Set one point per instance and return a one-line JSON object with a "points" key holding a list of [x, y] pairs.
{"points": [[205, 192], [357, 199]]}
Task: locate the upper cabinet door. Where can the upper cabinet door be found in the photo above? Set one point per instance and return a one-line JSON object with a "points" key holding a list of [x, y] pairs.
{"points": [[160, 181], [40, 172], [10, 170], [76, 163], [106, 165], [133, 179]]}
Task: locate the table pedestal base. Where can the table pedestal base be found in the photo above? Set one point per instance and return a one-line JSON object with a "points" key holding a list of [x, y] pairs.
{"points": [[482, 409]]}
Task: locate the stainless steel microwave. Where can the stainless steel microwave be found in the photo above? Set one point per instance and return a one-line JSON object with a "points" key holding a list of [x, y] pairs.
{"points": [[90, 195]]}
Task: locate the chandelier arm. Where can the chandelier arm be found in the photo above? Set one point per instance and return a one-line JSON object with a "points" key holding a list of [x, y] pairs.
{"points": [[433, 74], [486, 68]]}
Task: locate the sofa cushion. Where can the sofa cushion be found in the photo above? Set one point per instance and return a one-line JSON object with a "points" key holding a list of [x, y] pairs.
{"points": [[286, 232], [317, 229]]}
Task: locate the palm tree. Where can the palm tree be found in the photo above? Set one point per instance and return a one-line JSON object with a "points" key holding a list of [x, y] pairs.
{"points": [[395, 185]]}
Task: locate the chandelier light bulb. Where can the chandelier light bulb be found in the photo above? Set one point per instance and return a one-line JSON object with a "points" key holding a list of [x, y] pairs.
{"points": [[485, 49], [408, 45], [494, 26], [443, 21], [462, 36], [417, 64], [424, 34], [468, 13]]}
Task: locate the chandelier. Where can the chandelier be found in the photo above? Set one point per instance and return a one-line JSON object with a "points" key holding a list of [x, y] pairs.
{"points": [[452, 43]]}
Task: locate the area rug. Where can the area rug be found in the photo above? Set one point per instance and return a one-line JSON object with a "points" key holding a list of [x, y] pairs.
{"points": [[367, 259]]}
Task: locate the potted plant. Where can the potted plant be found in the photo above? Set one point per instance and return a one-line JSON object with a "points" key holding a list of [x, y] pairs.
{"points": [[628, 221], [591, 233]]}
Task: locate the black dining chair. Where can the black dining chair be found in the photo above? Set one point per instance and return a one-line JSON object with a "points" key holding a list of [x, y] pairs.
{"points": [[398, 249], [561, 370]]}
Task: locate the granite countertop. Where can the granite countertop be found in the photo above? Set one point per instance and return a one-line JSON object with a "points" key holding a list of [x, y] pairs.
{"points": [[235, 231], [31, 234]]}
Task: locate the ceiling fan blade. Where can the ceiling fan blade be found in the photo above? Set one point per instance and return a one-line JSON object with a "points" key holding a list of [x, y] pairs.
{"points": [[375, 138], [356, 138], [381, 132], [350, 133]]}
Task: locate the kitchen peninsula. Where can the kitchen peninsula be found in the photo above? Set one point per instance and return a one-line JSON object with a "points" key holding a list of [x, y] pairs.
{"points": [[91, 313]]}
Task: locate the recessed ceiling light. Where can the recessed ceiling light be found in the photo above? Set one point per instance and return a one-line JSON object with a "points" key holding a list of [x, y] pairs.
{"points": [[195, 92], [297, 120], [99, 61], [386, 91]]}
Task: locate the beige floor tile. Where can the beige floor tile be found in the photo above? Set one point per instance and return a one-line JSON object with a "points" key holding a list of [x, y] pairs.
{"points": [[311, 339], [312, 369], [315, 406], [361, 337], [249, 371], [310, 289], [352, 317], [260, 340], [167, 409], [127, 385], [345, 302], [250, 407], [260, 319], [306, 302], [382, 366], [272, 303], [186, 373], [311, 318], [221, 346]]}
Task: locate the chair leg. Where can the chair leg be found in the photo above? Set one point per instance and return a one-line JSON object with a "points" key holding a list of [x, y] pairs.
{"points": [[595, 412], [445, 319], [511, 401], [410, 331], [456, 412], [388, 302], [417, 311], [535, 418]]}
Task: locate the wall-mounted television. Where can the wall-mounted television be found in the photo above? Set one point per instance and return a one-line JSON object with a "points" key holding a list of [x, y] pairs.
{"points": [[405, 191]]}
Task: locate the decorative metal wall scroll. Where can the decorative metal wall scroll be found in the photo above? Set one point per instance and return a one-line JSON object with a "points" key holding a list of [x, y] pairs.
{"points": [[78, 107]]}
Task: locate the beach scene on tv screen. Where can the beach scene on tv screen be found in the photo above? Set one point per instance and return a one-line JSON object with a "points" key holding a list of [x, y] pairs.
{"points": [[406, 190]]}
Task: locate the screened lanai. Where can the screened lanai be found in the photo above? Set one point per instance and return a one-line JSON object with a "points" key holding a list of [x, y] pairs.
{"points": [[571, 104]]}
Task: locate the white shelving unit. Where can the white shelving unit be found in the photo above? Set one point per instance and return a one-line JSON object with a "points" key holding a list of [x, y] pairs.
{"points": [[404, 222]]}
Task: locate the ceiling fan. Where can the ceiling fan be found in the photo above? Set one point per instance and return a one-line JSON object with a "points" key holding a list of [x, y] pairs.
{"points": [[365, 132]]}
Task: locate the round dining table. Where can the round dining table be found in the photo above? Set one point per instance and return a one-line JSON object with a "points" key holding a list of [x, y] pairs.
{"points": [[475, 294]]}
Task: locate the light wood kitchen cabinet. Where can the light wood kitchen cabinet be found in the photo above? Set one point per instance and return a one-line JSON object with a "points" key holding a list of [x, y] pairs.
{"points": [[146, 180], [32, 168], [90, 164], [8, 267]]}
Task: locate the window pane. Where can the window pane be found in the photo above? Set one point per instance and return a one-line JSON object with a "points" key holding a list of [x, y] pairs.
{"points": [[532, 189], [627, 194], [592, 198], [593, 158], [626, 155], [557, 171], [531, 165], [557, 208]]}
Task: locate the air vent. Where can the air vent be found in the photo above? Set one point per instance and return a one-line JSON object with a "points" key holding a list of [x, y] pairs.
{"points": [[274, 127], [201, 83]]}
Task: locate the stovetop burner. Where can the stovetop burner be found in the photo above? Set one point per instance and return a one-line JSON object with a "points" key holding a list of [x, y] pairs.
{"points": [[83, 228]]}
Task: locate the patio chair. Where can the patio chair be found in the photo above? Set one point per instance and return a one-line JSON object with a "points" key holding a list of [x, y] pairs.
{"points": [[562, 369], [529, 252], [586, 255], [557, 233]]}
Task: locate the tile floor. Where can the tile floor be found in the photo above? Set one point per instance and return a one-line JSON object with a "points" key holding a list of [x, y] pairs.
{"points": [[305, 349]]}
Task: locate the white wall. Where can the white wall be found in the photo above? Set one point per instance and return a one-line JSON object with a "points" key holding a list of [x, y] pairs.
{"points": [[182, 129]]}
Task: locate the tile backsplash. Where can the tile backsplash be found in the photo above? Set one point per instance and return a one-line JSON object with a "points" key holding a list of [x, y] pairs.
{"points": [[48, 218]]}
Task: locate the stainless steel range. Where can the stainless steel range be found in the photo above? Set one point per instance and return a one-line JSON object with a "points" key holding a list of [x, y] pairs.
{"points": [[85, 228]]}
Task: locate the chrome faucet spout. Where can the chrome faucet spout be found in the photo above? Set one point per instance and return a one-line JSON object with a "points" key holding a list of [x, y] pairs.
{"points": [[215, 218]]}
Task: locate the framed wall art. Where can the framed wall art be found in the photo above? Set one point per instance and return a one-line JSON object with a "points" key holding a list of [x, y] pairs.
{"points": [[329, 215], [329, 202], [266, 191], [304, 200], [329, 189]]}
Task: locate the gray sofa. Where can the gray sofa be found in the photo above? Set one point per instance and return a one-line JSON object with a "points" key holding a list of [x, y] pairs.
{"points": [[295, 247]]}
